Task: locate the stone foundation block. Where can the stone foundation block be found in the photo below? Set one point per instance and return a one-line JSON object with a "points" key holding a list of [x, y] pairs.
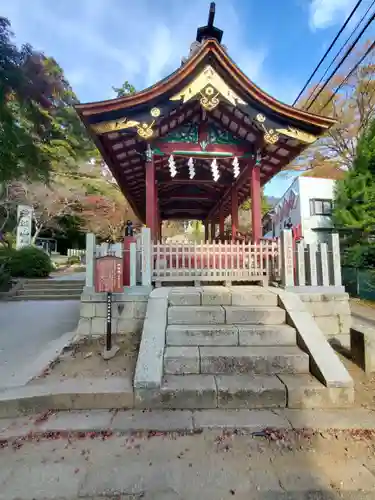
{"points": [[330, 308], [185, 297], [362, 347], [181, 360], [216, 296], [87, 310], [192, 315], [189, 392], [84, 327], [201, 335], [306, 392], [345, 323], [129, 326], [140, 309], [123, 310], [252, 296], [263, 335], [254, 315], [259, 360], [329, 325], [250, 391]]}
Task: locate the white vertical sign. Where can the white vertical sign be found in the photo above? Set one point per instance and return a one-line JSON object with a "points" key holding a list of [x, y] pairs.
{"points": [[24, 225]]}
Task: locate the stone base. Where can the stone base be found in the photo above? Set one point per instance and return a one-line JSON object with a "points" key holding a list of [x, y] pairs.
{"points": [[128, 312]]}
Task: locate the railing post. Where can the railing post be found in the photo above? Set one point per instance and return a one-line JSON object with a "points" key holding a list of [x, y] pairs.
{"points": [[336, 260], [133, 264], [90, 259], [287, 265], [313, 274], [324, 264], [146, 256], [301, 269]]}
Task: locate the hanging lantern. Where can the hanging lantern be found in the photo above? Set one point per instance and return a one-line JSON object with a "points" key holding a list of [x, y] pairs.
{"points": [[191, 168], [172, 166], [215, 170], [236, 167]]}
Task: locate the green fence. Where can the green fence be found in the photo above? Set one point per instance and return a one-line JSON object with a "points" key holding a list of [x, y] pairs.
{"points": [[359, 282]]}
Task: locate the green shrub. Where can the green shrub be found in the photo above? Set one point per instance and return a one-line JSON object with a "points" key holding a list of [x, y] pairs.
{"points": [[361, 255], [74, 259], [30, 262]]}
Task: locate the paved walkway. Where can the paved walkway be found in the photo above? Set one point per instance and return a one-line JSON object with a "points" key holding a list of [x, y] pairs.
{"points": [[362, 314], [27, 327], [214, 465]]}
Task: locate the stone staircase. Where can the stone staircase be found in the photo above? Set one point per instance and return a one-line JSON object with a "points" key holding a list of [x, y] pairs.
{"points": [[232, 348], [50, 289]]}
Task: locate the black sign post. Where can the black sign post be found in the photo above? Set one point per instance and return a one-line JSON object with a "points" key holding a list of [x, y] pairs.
{"points": [[109, 322]]}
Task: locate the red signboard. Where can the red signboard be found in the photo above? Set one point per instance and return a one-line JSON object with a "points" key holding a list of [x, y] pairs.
{"points": [[109, 274]]}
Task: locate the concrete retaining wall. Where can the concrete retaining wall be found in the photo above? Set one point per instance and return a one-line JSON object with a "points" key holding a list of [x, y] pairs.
{"points": [[331, 312], [128, 312]]}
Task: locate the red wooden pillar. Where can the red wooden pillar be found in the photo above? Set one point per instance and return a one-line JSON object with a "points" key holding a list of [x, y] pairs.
{"points": [[221, 223], [213, 230], [150, 196], [256, 213], [157, 214], [206, 236], [234, 197]]}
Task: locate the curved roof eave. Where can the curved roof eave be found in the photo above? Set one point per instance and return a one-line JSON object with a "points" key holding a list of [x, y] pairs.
{"points": [[168, 83]]}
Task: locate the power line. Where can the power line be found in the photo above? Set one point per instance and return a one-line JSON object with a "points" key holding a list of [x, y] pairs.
{"points": [[372, 47], [343, 59], [339, 52], [328, 50]]}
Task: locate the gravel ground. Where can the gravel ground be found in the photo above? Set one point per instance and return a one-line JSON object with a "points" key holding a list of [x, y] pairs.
{"points": [[209, 465]]}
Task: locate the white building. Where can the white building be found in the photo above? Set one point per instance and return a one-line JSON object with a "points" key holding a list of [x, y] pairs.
{"points": [[306, 207]]}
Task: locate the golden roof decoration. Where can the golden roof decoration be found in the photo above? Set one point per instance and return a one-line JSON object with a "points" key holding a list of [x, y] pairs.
{"points": [[297, 134], [208, 85]]}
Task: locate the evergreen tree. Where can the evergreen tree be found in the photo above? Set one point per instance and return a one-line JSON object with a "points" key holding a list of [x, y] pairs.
{"points": [[354, 207]]}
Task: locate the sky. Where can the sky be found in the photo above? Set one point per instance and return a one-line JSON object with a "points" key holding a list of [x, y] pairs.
{"points": [[102, 43]]}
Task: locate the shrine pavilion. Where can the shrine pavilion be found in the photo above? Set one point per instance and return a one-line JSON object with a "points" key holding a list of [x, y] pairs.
{"points": [[200, 142]]}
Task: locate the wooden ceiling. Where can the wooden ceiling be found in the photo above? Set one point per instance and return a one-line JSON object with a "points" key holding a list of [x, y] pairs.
{"points": [[181, 197]]}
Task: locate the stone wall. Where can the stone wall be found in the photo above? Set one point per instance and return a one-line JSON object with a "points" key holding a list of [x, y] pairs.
{"points": [[128, 312], [331, 311]]}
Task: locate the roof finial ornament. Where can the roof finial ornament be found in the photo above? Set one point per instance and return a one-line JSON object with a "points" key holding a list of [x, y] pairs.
{"points": [[210, 31], [205, 32]]}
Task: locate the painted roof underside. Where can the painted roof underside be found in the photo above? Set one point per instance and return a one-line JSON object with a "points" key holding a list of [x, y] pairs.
{"points": [[175, 104]]}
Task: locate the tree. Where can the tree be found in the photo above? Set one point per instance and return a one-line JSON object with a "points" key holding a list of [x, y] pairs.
{"points": [[51, 203], [39, 128], [105, 217], [354, 207], [352, 104], [125, 89]]}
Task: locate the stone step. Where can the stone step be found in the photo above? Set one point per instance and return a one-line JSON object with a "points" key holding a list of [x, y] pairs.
{"points": [[250, 391], [49, 291], [216, 315], [219, 335], [195, 335], [239, 359], [49, 296], [223, 391], [45, 282], [266, 335], [261, 360], [254, 315], [252, 296], [196, 315]]}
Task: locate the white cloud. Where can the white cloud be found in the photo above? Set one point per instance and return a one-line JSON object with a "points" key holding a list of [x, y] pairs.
{"points": [[325, 13], [100, 44]]}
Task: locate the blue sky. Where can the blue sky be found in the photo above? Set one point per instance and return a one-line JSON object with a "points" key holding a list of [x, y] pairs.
{"points": [[101, 43]]}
